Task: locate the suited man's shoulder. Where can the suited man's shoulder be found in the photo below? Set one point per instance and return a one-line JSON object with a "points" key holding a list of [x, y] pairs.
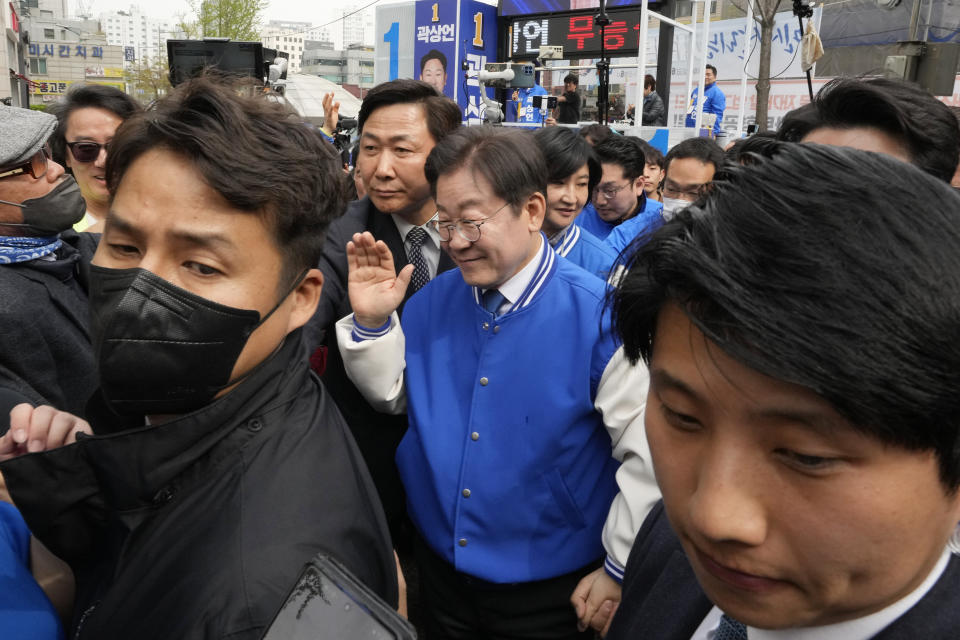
{"points": [[661, 597], [354, 220]]}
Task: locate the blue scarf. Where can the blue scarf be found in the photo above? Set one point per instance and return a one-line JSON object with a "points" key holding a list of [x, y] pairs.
{"points": [[15, 249]]}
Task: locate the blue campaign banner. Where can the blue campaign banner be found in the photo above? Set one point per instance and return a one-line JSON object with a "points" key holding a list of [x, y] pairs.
{"points": [[435, 49], [477, 42], [449, 34]]}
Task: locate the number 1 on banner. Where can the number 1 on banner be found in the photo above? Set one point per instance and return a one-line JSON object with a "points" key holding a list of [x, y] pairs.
{"points": [[477, 29], [392, 38], [436, 12]]}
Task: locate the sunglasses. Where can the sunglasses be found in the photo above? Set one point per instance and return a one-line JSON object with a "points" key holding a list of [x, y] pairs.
{"points": [[86, 151], [36, 166]]}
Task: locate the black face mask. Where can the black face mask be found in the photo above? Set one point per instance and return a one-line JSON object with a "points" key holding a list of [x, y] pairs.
{"points": [[160, 348], [50, 214]]}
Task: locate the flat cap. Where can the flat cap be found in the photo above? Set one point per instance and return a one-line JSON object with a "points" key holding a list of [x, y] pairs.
{"points": [[22, 133]]}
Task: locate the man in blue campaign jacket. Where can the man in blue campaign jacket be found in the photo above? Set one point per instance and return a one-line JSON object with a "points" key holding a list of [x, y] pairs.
{"points": [[810, 486], [573, 171], [688, 170], [715, 103], [519, 401], [523, 98], [620, 194]]}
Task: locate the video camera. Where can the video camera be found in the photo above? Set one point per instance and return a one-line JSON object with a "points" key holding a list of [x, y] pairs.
{"points": [[342, 135]]}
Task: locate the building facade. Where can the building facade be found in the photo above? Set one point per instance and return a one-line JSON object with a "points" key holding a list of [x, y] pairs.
{"points": [[288, 36], [145, 35], [348, 26], [350, 66], [63, 52], [13, 91]]}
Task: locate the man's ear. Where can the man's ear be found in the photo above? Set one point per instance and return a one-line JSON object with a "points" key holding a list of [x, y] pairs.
{"points": [[536, 208], [305, 299], [638, 185]]}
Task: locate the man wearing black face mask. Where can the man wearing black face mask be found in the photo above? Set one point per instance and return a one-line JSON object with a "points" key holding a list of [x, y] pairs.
{"points": [[217, 465], [45, 357]]}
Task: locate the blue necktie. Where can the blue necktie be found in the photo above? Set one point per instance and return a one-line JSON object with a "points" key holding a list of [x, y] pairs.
{"points": [[730, 629], [421, 273], [492, 299]]}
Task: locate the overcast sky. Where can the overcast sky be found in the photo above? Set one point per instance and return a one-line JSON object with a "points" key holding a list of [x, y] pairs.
{"points": [[316, 11]]}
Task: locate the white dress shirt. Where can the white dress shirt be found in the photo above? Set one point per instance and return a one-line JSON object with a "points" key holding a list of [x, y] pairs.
{"points": [[430, 249], [513, 288]]}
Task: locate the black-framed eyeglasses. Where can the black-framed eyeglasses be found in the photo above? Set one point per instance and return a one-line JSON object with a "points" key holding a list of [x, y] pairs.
{"points": [[690, 193], [609, 192], [85, 150], [36, 166], [469, 230]]}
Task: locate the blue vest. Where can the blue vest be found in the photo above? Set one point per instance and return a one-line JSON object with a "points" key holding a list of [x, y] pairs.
{"points": [[506, 464], [584, 250], [525, 110]]}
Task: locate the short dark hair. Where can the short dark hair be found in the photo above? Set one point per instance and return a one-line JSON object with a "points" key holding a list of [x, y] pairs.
{"points": [[572, 78], [831, 288], [902, 110], [702, 149], [565, 152], [433, 54], [513, 167], [596, 132], [649, 81], [764, 143], [256, 153], [442, 114], [712, 68], [629, 152], [98, 96], [655, 156]]}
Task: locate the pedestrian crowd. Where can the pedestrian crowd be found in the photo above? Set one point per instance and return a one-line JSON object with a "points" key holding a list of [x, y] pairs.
{"points": [[527, 385]]}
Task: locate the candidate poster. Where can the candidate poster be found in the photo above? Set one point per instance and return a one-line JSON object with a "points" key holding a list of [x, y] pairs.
{"points": [[477, 46], [435, 48], [451, 35]]}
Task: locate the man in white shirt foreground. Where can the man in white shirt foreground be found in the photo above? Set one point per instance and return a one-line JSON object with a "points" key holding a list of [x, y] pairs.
{"points": [[517, 397], [802, 416]]}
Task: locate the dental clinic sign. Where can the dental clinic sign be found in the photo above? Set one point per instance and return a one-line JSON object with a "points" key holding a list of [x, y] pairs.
{"points": [[64, 50]]}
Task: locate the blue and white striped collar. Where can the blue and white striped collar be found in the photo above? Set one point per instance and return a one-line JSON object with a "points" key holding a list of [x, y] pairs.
{"points": [[546, 264], [567, 240]]}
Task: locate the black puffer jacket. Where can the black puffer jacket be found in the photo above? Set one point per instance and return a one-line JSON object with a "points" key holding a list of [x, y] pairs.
{"points": [[198, 527]]}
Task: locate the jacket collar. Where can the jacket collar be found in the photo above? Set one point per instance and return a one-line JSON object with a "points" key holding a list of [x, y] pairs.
{"points": [[546, 266], [567, 241], [134, 464]]}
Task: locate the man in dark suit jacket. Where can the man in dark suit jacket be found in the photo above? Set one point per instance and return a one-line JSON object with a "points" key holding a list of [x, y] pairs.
{"points": [[399, 122], [802, 413]]}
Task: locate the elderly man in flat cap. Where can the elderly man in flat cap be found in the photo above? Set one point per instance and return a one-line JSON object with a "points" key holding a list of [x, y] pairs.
{"points": [[46, 357]]}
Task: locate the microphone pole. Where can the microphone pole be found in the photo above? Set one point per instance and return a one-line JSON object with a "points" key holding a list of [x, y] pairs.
{"points": [[603, 67]]}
